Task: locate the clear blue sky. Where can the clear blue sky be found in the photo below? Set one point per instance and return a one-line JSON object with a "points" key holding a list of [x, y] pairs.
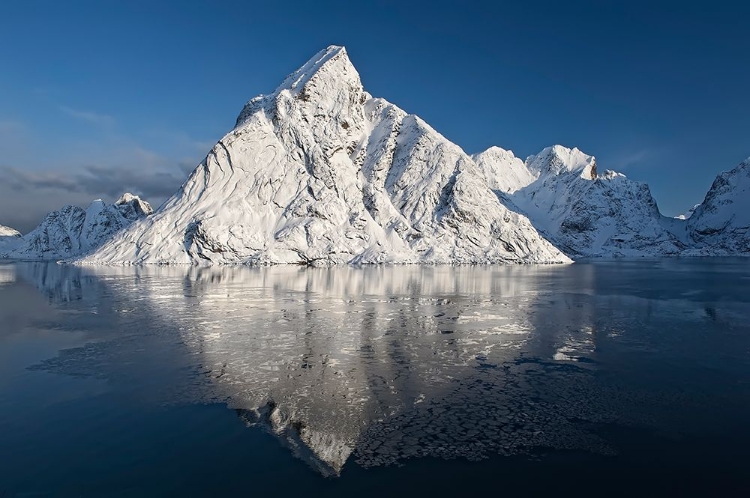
{"points": [[100, 96]]}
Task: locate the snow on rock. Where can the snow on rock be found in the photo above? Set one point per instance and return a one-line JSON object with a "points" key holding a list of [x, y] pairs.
{"points": [[74, 231], [558, 160], [720, 225], [319, 172], [10, 238], [585, 213], [8, 232], [504, 172], [132, 207]]}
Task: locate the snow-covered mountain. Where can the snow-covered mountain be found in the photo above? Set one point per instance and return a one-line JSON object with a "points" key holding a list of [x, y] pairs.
{"points": [[73, 231], [8, 232], [321, 172], [584, 212], [721, 223], [9, 239]]}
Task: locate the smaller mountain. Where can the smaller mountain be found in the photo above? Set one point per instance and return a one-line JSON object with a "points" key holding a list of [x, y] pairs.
{"points": [[73, 231], [9, 232], [720, 225], [503, 170], [583, 212], [10, 238], [687, 214]]}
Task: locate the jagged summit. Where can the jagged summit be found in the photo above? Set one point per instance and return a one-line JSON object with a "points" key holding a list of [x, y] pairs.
{"points": [[582, 212], [332, 61], [322, 78], [133, 207], [560, 159], [321, 173], [9, 232]]}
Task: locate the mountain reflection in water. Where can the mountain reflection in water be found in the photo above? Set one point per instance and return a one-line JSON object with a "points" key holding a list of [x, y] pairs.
{"points": [[383, 364]]}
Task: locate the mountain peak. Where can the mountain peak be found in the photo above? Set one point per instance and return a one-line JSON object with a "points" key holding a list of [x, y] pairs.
{"points": [[497, 152], [8, 232], [321, 173], [133, 207], [334, 57], [559, 159], [503, 170], [325, 79]]}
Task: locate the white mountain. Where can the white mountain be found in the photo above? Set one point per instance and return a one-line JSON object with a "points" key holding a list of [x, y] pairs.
{"points": [[8, 232], [320, 172], [721, 223], [73, 231], [584, 212]]}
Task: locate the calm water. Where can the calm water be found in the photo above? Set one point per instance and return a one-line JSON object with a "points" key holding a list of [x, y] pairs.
{"points": [[587, 379]]}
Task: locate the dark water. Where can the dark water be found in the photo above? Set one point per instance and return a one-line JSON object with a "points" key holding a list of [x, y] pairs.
{"points": [[592, 379]]}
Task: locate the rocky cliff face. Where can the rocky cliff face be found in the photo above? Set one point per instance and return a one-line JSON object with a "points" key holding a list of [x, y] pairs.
{"points": [[721, 223], [319, 172]]}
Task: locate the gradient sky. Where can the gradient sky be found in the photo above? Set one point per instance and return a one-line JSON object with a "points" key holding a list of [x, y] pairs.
{"points": [[101, 97]]}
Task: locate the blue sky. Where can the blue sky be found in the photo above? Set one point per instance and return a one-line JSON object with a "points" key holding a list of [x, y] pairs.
{"points": [[97, 97]]}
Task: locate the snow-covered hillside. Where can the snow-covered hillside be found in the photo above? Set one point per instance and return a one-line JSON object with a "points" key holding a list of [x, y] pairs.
{"points": [[721, 223], [320, 172], [584, 212], [73, 231]]}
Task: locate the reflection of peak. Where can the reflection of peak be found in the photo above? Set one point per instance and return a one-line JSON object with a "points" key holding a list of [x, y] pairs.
{"points": [[354, 363], [324, 452], [7, 274]]}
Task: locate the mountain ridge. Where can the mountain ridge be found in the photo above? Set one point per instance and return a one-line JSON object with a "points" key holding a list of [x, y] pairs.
{"points": [[72, 231], [320, 172]]}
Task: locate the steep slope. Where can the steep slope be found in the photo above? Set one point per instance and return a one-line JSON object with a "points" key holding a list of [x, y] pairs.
{"points": [[586, 214], [321, 173], [74, 231], [721, 223]]}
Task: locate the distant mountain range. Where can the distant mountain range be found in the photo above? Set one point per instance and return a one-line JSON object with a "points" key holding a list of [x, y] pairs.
{"points": [[73, 231], [319, 172]]}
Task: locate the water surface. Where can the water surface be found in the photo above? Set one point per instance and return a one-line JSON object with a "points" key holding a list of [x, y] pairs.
{"points": [[376, 380]]}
